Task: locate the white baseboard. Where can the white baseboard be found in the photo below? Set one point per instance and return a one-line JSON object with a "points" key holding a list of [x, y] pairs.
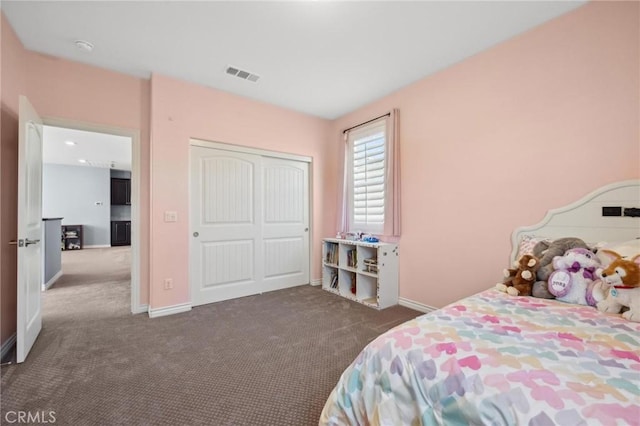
{"points": [[53, 279], [415, 305], [98, 246], [169, 310], [316, 282], [141, 309], [6, 346]]}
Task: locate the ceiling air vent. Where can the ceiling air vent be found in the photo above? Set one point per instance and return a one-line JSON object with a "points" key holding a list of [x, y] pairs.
{"points": [[245, 75]]}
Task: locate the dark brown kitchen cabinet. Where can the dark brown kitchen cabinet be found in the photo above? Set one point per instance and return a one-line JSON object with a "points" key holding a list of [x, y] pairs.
{"points": [[121, 233], [120, 191]]}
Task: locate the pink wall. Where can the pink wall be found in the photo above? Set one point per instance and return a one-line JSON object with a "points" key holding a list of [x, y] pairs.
{"points": [[488, 145], [13, 85], [180, 111], [64, 90], [493, 142]]}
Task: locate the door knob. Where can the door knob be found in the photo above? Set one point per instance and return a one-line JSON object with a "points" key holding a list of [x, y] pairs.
{"points": [[306, 229], [196, 234], [28, 242]]}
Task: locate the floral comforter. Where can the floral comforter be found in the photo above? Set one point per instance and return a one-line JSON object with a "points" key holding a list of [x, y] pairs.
{"points": [[494, 359]]}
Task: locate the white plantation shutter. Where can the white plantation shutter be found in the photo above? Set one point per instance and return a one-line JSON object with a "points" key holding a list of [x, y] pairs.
{"points": [[366, 177], [369, 198]]}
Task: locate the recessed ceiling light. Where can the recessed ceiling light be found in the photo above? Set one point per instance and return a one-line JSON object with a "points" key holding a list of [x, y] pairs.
{"points": [[82, 160], [70, 143], [84, 45]]}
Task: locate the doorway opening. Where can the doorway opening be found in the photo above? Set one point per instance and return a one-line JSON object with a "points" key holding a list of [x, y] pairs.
{"points": [[91, 197]]}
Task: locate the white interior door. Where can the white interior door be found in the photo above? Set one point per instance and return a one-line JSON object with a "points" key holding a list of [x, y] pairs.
{"points": [[249, 224], [285, 223], [29, 321]]}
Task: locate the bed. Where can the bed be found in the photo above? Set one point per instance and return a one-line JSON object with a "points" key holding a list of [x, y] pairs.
{"points": [[495, 359]]}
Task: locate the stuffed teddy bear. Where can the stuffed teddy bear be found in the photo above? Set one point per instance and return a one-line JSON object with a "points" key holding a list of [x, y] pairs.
{"points": [[519, 280], [622, 276], [546, 251], [574, 272]]}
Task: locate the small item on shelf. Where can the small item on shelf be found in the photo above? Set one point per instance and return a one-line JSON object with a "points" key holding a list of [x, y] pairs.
{"points": [[371, 265], [352, 258], [370, 239], [334, 280], [332, 254], [353, 283]]}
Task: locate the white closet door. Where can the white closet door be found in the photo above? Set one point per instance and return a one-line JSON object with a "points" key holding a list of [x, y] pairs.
{"points": [[285, 223], [225, 225], [249, 224]]}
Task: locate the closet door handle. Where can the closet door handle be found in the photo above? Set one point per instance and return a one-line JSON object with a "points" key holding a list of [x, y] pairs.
{"points": [[28, 242]]}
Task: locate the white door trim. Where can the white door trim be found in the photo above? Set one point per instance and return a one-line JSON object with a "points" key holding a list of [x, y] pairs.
{"points": [[258, 151], [136, 307]]}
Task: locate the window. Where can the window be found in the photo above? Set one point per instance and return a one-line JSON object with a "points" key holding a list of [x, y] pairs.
{"points": [[366, 161], [370, 191]]}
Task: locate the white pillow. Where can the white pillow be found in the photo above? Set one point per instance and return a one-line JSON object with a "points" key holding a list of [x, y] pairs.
{"points": [[626, 249]]}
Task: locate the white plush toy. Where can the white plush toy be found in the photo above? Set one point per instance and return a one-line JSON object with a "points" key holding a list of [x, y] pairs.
{"points": [[574, 275]]}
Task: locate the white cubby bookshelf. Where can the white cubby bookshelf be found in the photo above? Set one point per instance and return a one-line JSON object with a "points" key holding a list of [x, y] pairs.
{"points": [[344, 271]]}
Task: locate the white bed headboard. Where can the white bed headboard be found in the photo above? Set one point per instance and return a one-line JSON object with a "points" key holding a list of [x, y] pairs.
{"points": [[583, 218]]}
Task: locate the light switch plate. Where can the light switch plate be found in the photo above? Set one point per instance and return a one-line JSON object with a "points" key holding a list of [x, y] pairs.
{"points": [[170, 216]]}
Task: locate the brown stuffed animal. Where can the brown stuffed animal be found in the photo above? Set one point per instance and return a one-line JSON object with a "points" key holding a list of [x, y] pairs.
{"points": [[519, 280], [622, 277]]}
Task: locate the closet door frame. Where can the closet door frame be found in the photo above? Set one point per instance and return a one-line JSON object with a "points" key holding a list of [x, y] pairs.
{"points": [[264, 153]]}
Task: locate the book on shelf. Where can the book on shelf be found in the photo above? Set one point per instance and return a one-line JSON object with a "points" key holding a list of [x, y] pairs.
{"points": [[334, 279], [332, 254], [352, 258]]}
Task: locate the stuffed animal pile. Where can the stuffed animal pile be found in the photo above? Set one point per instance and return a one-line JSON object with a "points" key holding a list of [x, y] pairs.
{"points": [[546, 251], [567, 270], [622, 277]]}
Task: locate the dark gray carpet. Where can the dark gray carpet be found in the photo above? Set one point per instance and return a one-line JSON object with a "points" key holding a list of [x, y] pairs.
{"points": [[269, 359]]}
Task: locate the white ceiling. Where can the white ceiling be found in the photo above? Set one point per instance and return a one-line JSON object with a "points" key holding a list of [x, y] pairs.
{"points": [[95, 149], [319, 57]]}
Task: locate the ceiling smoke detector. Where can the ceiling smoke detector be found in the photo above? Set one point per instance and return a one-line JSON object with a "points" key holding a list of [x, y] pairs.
{"points": [[245, 75], [84, 45]]}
